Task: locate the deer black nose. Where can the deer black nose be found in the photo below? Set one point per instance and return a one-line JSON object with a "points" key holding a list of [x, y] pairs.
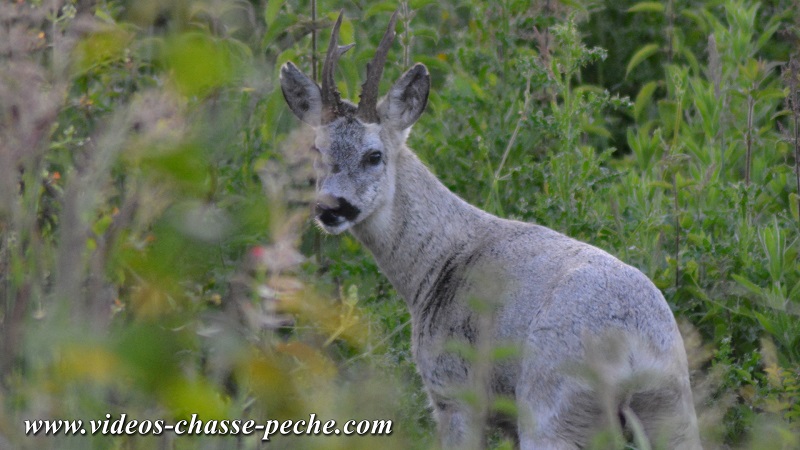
{"points": [[336, 212]]}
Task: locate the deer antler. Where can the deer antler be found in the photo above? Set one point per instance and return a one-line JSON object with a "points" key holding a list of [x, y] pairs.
{"points": [[331, 99], [368, 102]]}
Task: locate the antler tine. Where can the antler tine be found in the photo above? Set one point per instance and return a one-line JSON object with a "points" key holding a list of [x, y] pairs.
{"points": [[331, 99], [368, 102]]}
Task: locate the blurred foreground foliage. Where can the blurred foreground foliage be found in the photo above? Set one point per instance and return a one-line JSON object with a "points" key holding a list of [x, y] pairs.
{"points": [[155, 254]]}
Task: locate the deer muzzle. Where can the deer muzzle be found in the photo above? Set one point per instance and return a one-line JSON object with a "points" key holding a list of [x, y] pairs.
{"points": [[333, 211]]}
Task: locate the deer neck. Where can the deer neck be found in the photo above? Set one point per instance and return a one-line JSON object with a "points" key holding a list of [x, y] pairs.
{"points": [[419, 229]]}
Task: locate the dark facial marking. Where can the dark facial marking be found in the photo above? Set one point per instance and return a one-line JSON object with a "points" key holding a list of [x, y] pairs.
{"points": [[347, 210], [332, 216]]}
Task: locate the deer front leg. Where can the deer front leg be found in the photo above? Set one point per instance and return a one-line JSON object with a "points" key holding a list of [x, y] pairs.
{"points": [[453, 422]]}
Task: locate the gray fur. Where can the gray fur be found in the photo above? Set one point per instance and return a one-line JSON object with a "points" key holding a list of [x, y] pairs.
{"points": [[595, 337]]}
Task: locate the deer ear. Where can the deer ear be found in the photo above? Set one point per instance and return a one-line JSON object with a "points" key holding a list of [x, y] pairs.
{"points": [[406, 100], [302, 95]]}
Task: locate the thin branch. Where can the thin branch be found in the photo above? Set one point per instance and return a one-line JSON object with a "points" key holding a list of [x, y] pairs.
{"points": [[677, 231], [794, 74], [314, 40], [749, 137], [522, 116], [406, 36]]}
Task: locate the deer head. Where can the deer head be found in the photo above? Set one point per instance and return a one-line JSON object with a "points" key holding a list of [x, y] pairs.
{"points": [[357, 145]]}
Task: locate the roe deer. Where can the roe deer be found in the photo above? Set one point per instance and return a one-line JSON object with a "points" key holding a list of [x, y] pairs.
{"points": [[598, 346]]}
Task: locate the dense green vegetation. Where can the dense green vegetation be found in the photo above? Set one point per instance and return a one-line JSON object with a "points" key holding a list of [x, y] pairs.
{"points": [[156, 257]]}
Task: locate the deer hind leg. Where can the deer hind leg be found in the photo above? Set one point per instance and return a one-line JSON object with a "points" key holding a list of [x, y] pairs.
{"points": [[454, 425], [667, 416], [557, 413]]}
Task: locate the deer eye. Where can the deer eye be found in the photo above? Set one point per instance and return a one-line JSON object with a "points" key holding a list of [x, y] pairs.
{"points": [[374, 158]]}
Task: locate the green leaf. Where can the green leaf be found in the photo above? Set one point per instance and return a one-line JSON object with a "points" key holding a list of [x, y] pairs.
{"points": [[597, 130], [290, 54], [690, 58], [427, 33], [660, 184], [770, 93], [766, 323], [751, 70], [434, 65], [647, 7], [197, 396], [279, 25], [183, 167], [643, 99], [794, 206], [640, 55], [200, 63], [271, 11], [505, 406], [417, 4], [767, 35], [505, 352], [577, 5], [779, 114], [380, 9], [749, 285], [346, 32], [698, 20], [794, 294], [101, 48]]}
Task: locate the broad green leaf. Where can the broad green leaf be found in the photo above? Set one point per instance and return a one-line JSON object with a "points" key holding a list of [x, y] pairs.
{"points": [[698, 19], [750, 70], [290, 54], [690, 58], [103, 15], [794, 207], [101, 48], [199, 63], [271, 11], [643, 99], [346, 32], [640, 55], [198, 396], [766, 35], [779, 114], [279, 25], [434, 64], [183, 166], [590, 88], [427, 33], [380, 9], [647, 7], [505, 406], [770, 93], [504, 352], [597, 130]]}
